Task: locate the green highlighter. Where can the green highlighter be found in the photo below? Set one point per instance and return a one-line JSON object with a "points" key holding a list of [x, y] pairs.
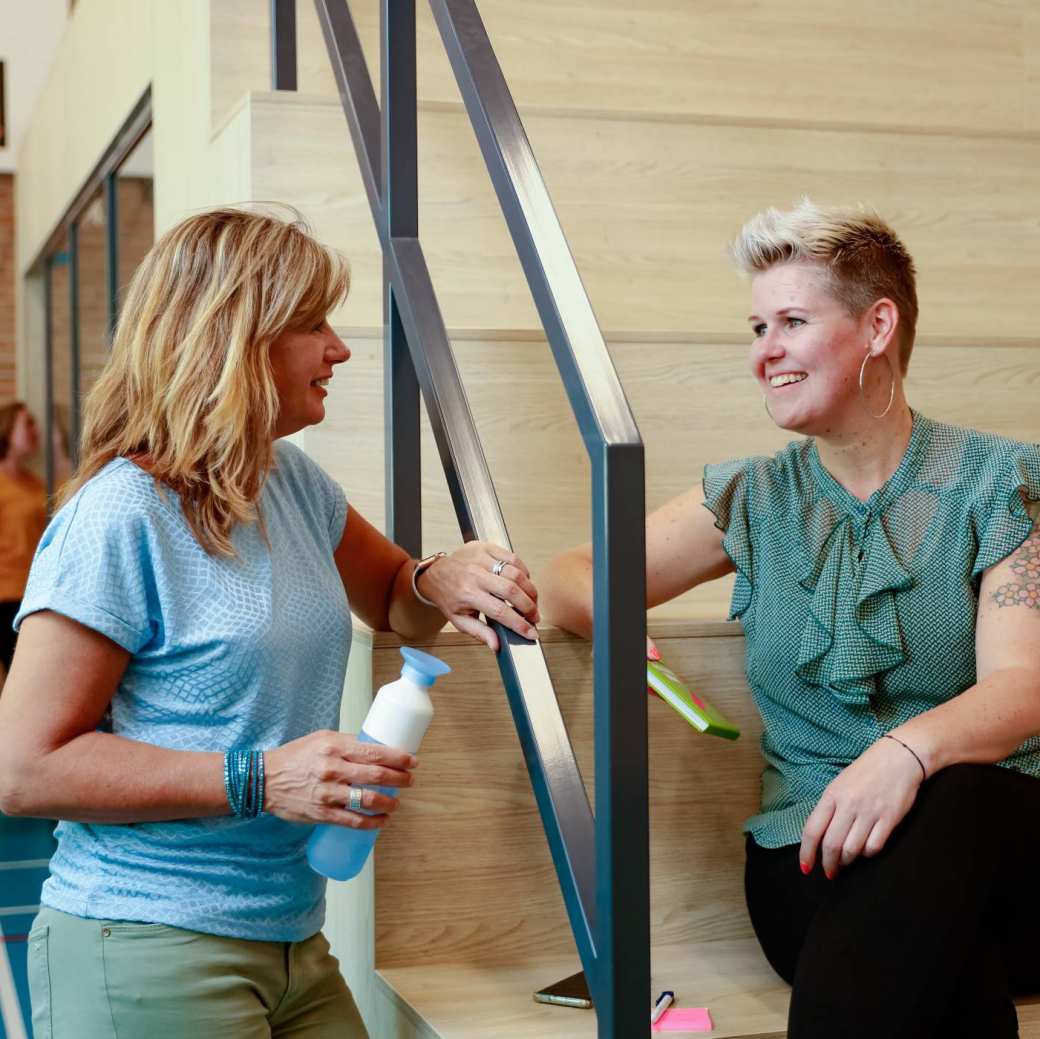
{"points": [[699, 713]]}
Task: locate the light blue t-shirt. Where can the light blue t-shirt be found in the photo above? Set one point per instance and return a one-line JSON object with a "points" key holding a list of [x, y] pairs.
{"points": [[248, 652]]}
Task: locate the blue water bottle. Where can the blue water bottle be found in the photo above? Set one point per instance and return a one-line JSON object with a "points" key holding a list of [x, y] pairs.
{"points": [[399, 717]]}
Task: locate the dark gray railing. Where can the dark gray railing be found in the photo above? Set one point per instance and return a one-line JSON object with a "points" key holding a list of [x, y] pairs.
{"points": [[283, 44], [602, 861]]}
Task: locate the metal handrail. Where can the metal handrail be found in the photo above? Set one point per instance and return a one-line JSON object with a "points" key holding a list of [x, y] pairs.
{"points": [[602, 862]]}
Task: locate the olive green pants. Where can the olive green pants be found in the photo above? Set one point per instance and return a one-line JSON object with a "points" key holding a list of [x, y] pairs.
{"points": [[107, 979]]}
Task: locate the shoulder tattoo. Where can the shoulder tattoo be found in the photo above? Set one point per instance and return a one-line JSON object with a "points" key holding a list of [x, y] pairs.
{"points": [[1023, 589]]}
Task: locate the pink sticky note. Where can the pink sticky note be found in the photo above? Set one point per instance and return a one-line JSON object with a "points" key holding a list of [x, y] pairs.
{"points": [[684, 1019]]}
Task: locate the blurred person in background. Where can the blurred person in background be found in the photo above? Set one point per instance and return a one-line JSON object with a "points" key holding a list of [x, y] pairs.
{"points": [[23, 516]]}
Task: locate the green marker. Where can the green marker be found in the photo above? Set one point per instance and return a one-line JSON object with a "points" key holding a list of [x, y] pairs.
{"points": [[699, 713]]}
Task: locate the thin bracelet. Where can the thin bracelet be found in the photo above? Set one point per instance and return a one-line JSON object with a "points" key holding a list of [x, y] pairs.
{"points": [[420, 568], [896, 739]]}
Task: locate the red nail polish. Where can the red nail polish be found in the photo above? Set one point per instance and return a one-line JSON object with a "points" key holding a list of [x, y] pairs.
{"points": [[829, 874], [805, 868]]}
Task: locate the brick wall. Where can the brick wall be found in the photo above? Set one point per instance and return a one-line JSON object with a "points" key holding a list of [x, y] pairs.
{"points": [[7, 286]]}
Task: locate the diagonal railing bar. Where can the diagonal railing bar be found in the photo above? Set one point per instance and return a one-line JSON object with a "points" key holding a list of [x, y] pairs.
{"points": [[563, 803], [621, 979], [602, 864], [595, 392]]}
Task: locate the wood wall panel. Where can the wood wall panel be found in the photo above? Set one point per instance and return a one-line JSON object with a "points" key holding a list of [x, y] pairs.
{"points": [[694, 403], [648, 208], [889, 64], [1032, 63], [464, 874]]}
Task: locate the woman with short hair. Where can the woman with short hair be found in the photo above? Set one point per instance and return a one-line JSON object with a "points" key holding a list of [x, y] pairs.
{"points": [[888, 582], [184, 641]]}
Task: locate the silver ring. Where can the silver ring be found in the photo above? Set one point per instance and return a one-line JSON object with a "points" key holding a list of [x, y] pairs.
{"points": [[356, 793], [500, 565]]}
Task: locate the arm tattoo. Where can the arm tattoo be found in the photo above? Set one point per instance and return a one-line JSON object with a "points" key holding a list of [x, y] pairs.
{"points": [[1024, 587]]}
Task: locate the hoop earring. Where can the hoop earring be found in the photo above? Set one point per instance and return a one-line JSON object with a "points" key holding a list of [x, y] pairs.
{"points": [[765, 404], [862, 397]]}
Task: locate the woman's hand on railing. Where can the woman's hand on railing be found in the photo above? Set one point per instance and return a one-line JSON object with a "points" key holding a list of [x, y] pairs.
{"points": [[465, 584], [309, 779]]}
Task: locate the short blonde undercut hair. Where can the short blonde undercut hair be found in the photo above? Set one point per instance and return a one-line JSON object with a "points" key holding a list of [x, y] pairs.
{"points": [[863, 257]]}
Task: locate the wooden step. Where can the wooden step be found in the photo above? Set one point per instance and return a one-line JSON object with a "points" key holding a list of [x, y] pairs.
{"points": [[744, 997], [474, 1001]]}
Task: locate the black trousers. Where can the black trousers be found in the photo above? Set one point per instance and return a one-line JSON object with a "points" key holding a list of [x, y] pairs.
{"points": [[931, 938], [8, 612]]}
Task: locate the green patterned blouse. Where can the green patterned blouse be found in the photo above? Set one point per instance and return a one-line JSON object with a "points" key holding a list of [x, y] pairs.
{"points": [[861, 615]]}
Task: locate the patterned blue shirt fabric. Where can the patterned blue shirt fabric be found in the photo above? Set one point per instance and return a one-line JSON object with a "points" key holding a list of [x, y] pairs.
{"points": [[858, 616], [248, 652]]}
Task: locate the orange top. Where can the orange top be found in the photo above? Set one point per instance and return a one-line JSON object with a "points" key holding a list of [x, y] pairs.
{"points": [[23, 515]]}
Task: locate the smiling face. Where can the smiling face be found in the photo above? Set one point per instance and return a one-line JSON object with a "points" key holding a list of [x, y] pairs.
{"points": [[807, 349], [302, 364]]}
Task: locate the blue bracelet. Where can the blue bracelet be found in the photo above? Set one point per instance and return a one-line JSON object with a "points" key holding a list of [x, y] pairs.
{"points": [[244, 782]]}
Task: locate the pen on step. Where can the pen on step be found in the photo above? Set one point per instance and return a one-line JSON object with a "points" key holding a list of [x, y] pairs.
{"points": [[664, 1001]]}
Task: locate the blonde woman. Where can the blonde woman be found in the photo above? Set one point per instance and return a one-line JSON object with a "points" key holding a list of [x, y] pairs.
{"points": [[190, 599], [888, 582]]}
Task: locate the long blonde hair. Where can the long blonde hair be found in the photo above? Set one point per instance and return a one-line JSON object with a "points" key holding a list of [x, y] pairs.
{"points": [[188, 391]]}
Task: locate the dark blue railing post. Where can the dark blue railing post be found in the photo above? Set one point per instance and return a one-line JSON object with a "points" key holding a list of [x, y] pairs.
{"points": [[400, 197], [622, 982], [48, 373], [74, 344], [283, 44], [112, 251]]}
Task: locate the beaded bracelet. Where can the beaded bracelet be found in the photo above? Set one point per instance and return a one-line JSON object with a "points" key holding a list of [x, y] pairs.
{"points": [[244, 782]]}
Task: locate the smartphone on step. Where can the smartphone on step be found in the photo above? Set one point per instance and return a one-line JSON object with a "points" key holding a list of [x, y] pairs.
{"points": [[571, 992]]}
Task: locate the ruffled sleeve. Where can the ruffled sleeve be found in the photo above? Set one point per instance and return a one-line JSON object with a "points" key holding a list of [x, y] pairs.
{"points": [[1006, 506], [727, 493]]}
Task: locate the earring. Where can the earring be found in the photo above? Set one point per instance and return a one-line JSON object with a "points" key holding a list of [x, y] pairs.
{"points": [[862, 397], [765, 404]]}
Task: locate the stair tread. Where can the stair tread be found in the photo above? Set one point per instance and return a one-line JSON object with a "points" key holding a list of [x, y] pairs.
{"points": [[487, 1001]]}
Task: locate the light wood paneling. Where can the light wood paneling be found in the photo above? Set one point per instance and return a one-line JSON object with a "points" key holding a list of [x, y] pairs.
{"points": [[648, 208], [694, 403], [888, 64], [473, 793], [1032, 55]]}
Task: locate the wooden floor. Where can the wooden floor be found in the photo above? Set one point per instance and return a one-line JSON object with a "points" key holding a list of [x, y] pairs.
{"points": [[744, 996]]}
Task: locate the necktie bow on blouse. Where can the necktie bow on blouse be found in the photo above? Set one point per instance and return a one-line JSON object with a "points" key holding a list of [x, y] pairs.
{"points": [[853, 631]]}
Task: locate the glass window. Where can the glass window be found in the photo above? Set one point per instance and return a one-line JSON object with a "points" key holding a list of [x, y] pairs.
{"points": [[135, 219], [59, 372], [92, 297], [86, 281]]}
